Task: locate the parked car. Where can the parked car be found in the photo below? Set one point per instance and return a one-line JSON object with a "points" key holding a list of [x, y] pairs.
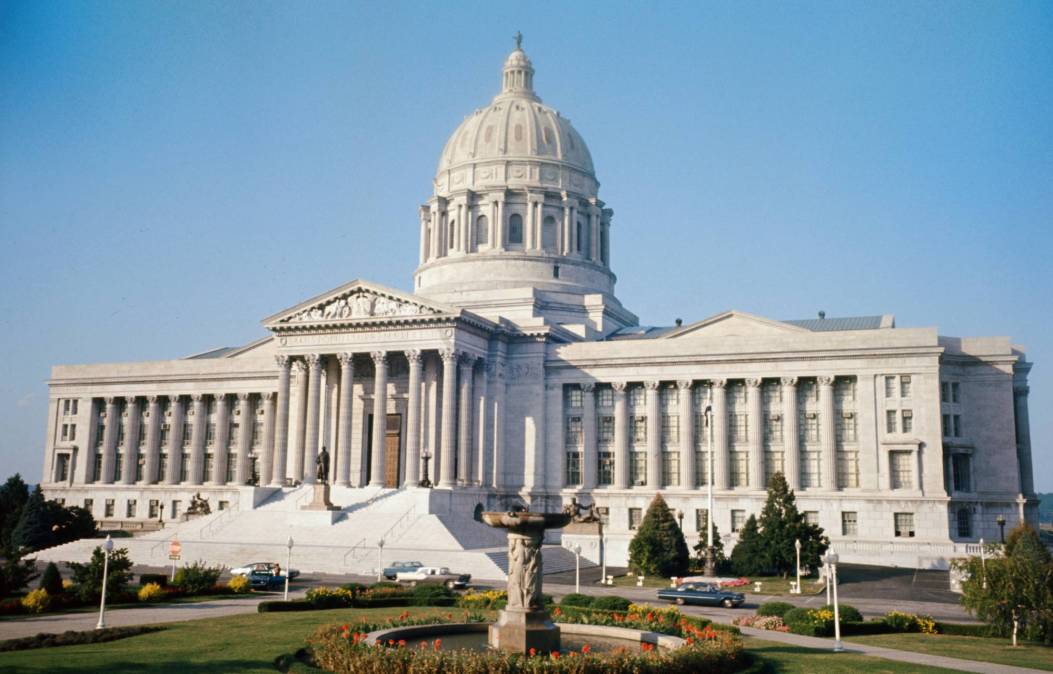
{"points": [[273, 568], [265, 580], [391, 572], [434, 574], [706, 594]]}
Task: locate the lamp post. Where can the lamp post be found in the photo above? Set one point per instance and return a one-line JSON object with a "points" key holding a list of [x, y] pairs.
{"points": [[380, 560], [426, 482], [603, 556], [831, 563], [797, 547], [107, 548], [577, 568], [711, 554], [680, 519], [1001, 528], [288, 568], [983, 563]]}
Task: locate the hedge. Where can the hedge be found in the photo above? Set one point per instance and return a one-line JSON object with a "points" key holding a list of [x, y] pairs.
{"points": [[849, 614], [72, 638], [576, 600], [966, 629], [281, 606], [775, 608], [610, 604]]}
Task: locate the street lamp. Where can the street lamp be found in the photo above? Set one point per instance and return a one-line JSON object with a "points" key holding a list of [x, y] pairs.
{"points": [[711, 554], [831, 563], [426, 482], [797, 547], [680, 519], [380, 560], [983, 563], [577, 568], [107, 548], [288, 568], [1001, 527]]}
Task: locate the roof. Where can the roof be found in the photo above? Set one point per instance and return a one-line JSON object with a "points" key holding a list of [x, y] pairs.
{"points": [[812, 324], [221, 352]]}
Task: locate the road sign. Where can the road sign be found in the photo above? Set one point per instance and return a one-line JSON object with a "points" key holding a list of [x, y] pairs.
{"points": [[174, 548], [173, 557]]}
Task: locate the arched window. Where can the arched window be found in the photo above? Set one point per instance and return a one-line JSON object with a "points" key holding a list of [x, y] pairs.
{"points": [[549, 234], [482, 231], [965, 523], [515, 229], [453, 234]]}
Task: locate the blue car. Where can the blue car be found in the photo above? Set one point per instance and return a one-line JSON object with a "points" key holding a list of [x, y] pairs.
{"points": [[265, 580], [705, 594]]}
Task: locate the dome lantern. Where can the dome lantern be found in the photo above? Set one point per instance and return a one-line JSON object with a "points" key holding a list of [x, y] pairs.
{"points": [[518, 76]]}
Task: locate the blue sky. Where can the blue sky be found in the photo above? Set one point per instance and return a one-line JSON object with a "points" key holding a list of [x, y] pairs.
{"points": [[171, 173]]}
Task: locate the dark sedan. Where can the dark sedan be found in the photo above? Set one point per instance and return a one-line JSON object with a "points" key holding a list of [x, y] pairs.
{"points": [[265, 580], [705, 594]]}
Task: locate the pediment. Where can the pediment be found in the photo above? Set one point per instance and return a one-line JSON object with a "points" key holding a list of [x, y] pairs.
{"points": [[356, 301], [736, 324]]}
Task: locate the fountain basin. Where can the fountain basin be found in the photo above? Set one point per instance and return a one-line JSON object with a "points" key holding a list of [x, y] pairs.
{"points": [[474, 636]]}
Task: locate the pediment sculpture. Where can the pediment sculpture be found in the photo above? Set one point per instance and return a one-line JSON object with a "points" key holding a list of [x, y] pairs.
{"points": [[359, 305]]}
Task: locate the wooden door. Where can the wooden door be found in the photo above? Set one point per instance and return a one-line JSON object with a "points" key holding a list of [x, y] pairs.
{"points": [[392, 445]]}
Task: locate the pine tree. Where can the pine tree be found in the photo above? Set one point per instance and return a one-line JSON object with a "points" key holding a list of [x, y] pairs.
{"points": [[781, 524], [87, 578], [718, 547], [748, 556], [51, 580], [659, 548], [13, 496], [33, 531]]}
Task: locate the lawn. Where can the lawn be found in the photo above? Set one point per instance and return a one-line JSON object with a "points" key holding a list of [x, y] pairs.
{"points": [[1035, 656], [770, 585], [787, 659]]}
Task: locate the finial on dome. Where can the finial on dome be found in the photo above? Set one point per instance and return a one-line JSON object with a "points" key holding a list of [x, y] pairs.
{"points": [[518, 72], [519, 40]]}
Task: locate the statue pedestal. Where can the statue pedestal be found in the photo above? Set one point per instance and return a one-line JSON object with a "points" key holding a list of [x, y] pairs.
{"points": [[320, 499], [519, 630]]}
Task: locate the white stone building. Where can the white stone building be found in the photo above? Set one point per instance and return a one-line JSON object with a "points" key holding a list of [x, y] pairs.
{"points": [[515, 373]]}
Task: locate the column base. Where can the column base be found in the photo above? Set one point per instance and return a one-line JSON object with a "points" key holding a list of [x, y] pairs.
{"points": [[521, 630]]}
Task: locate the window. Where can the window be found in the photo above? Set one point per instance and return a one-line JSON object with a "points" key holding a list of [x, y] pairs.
{"points": [[639, 430], [257, 433], [573, 468], [739, 464], [637, 397], [946, 419], [890, 421], [638, 467], [453, 234], [210, 463], [671, 469], [177, 508], [965, 523], [130, 508], [605, 468], [184, 467], [583, 237], [701, 520], [97, 472], [773, 463], [846, 428], [904, 386], [574, 432], [738, 520], [670, 399], [957, 423], [849, 524], [232, 464], [908, 421], [515, 229], [954, 392], [771, 394], [635, 516], [162, 467], [845, 390], [810, 427], [739, 427], [65, 407], [210, 434], [118, 466], [575, 396], [482, 231], [702, 468], [188, 433], [961, 471], [142, 433], [890, 387], [166, 432], [605, 396], [154, 509], [737, 393], [548, 234], [670, 429], [606, 434], [848, 469], [232, 434], [809, 469], [100, 434], [62, 469], [773, 429], [900, 470], [904, 525], [811, 517], [139, 468], [65, 432], [223, 505], [108, 508], [89, 504], [120, 434], [945, 395]]}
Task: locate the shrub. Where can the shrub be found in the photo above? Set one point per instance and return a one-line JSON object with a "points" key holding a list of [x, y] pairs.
{"points": [[197, 578], [774, 608], [898, 621], [156, 578], [37, 601], [387, 584], [611, 604], [51, 580], [15, 572], [658, 548], [330, 597], [354, 588], [864, 628], [87, 578], [490, 599], [762, 622], [965, 629], [12, 606], [282, 606], [151, 592], [239, 585], [849, 614], [73, 638], [810, 622], [576, 600]]}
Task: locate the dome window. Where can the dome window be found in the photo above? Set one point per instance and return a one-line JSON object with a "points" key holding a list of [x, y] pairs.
{"points": [[583, 238], [482, 231], [515, 229]]}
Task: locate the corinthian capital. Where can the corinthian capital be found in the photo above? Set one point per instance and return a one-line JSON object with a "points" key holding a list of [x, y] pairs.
{"points": [[753, 382], [718, 383], [344, 358], [380, 358], [651, 385], [825, 380], [588, 387], [448, 356], [685, 384], [619, 386], [282, 360], [314, 360], [788, 381], [413, 356]]}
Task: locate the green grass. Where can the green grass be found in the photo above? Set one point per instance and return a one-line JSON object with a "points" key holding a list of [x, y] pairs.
{"points": [[193, 599], [787, 659], [770, 585], [999, 651]]}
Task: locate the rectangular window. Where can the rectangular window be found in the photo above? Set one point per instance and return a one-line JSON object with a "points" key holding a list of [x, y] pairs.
{"points": [[100, 434], [72, 432], [739, 427], [635, 516], [900, 469], [670, 429], [638, 467], [670, 399], [773, 463], [210, 434], [142, 433], [639, 430], [65, 407], [908, 421], [177, 508], [139, 468], [702, 520], [232, 465], [184, 467], [739, 468], [606, 434], [107, 508], [701, 469], [155, 509], [773, 429], [62, 472], [810, 427], [96, 474], [605, 397], [811, 517], [946, 425], [65, 432], [890, 387], [232, 436], [965, 523], [957, 420], [737, 393], [848, 469], [904, 525], [890, 421], [671, 469], [120, 434], [738, 520], [606, 469], [962, 472], [701, 430], [162, 467], [575, 396], [210, 463], [849, 524], [954, 392], [573, 468], [166, 432], [118, 466], [574, 436], [188, 433], [845, 390], [130, 508], [771, 394], [637, 397], [257, 433], [224, 505], [945, 394], [809, 470], [904, 386], [89, 505], [846, 428]]}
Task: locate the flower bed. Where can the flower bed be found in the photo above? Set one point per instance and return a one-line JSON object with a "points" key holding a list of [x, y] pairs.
{"points": [[641, 617], [772, 623]]}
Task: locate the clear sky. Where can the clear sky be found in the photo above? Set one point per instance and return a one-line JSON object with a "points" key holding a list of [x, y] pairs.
{"points": [[171, 173]]}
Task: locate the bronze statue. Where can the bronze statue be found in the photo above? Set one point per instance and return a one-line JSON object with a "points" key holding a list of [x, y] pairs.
{"points": [[323, 466], [198, 506]]}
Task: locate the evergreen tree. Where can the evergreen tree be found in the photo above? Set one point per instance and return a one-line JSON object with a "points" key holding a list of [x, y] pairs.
{"points": [[658, 548], [13, 496], [51, 580], [15, 573], [748, 558], [68, 523], [781, 524], [33, 531], [87, 578], [718, 548]]}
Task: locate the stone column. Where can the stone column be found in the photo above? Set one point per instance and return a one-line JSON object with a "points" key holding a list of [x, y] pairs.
{"points": [[480, 425], [720, 434], [501, 239], [826, 433], [464, 421], [109, 442], [594, 242], [175, 440], [281, 425], [621, 436], [131, 441], [297, 416], [590, 457], [755, 429], [1022, 426], [791, 459], [197, 440], [380, 416], [413, 403], [435, 224], [564, 235], [153, 440], [687, 435], [343, 424], [247, 422], [221, 451], [654, 436], [447, 461], [498, 412], [267, 441], [423, 235], [312, 423]]}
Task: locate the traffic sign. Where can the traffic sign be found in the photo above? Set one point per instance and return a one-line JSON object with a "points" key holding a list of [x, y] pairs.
{"points": [[173, 557], [174, 548]]}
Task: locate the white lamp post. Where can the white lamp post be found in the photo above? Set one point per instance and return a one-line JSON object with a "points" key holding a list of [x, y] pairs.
{"points": [[380, 560], [711, 556], [983, 563], [107, 548], [797, 547], [577, 568], [288, 567], [831, 562]]}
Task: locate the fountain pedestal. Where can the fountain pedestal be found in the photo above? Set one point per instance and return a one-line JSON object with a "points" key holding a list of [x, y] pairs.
{"points": [[524, 623]]}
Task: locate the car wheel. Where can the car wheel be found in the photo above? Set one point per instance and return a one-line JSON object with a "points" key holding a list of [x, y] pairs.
{"points": [[449, 585], [728, 603], [680, 601]]}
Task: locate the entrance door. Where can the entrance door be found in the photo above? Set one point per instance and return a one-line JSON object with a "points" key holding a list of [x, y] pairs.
{"points": [[392, 443]]}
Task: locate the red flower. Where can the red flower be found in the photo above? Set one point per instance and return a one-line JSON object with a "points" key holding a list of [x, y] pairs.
{"points": [[533, 652], [438, 643], [402, 642], [585, 649], [647, 648], [555, 655]]}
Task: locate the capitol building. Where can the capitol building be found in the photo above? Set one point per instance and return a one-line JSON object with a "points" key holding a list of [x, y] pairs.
{"points": [[511, 375]]}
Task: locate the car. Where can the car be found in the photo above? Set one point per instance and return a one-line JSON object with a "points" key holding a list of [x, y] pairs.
{"points": [[274, 568], [265, 580], [706, 594], [391, 572], [434, 574]]}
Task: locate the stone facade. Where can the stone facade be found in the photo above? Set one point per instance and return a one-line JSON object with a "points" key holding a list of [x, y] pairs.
{"points": [[514, 374]]}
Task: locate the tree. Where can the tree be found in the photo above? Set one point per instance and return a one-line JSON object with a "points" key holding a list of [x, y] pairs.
{"points": [[1013, 593], [718, 547], [51, 580], [748, 557], [87, 578], [13, 495], [33, 531], [658, 548], [15, 573], [68, 523], [781, 525]]}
